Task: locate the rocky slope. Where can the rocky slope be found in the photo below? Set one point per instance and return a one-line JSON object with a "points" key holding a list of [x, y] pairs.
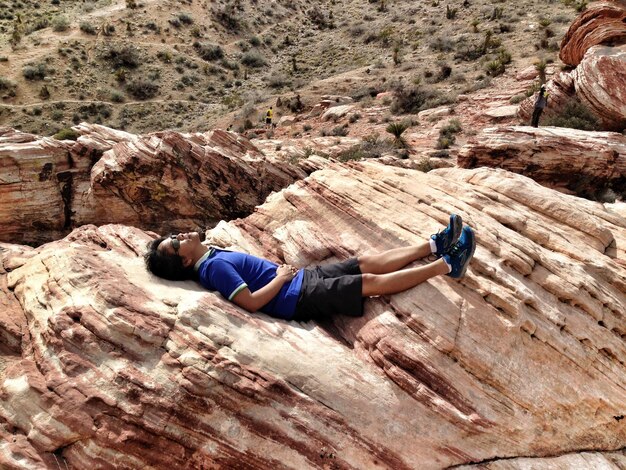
{"points": [[524, 357], [161, 181]]}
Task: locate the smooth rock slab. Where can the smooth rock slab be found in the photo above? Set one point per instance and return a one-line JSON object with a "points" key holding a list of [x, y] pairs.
{"points": [[523, 357]]}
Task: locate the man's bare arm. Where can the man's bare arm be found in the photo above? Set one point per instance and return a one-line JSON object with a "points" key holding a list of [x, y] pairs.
{"points": [[253, 301]]}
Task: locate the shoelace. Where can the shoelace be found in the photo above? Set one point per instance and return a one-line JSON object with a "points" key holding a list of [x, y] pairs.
{"points": [[455, 249]]}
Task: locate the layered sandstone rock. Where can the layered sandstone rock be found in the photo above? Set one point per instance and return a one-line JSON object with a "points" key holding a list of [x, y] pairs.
{"points": [[596, 44], [582, 162], [601, 84], [600, 23], [583, 460], [525, 356], [162, 181]]}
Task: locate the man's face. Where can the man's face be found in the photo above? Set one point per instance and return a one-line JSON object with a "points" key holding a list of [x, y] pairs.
{"points": [[183, 244]]}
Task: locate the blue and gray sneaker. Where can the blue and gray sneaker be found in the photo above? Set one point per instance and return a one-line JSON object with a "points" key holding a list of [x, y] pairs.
{"points": [[461, 253], [445, 239]]}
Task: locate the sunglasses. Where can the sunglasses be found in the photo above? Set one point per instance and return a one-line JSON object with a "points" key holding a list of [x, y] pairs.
{"points": [[175, 243]]}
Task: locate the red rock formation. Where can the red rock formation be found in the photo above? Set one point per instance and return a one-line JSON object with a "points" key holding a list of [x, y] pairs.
{"points": [[523, 357], [595, 44], [586, 163], [600, 23], [601, 84], [161, 181], [560, 90]]}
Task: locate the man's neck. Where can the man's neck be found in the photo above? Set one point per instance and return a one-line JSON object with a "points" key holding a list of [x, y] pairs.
{"points": [[199, 253]]}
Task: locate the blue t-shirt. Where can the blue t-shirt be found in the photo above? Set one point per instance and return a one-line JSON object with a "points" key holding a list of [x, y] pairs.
{"points": [[229, 272]]}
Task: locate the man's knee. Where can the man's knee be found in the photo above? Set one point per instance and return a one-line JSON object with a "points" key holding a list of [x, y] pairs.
{"points": [[369, 282]]}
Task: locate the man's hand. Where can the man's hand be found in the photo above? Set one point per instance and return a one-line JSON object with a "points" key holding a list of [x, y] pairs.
{"points": [[286, 271], [253, 301]]}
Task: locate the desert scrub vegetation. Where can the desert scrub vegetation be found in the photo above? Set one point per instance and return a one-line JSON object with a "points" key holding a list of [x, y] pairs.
{"points": [[35, 71], [142, 89], [319, 19], [498, 65], [208, 52], [60, 23], [253, 59], [66, 134], [447, 134], [7, 87], [576, 116], [371, 147], [121, 55], [411, 99], [228, 16], [397, 129], [116, 96], [87, 28]]}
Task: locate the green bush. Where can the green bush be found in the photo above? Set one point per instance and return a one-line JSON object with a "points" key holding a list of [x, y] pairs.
{"points": [[87, 27], [253, 59], [371, 147], [447, 134], [66, 134], [228, 18], [340, 131], [60, 23], [143, 89], [397, 129], [117, 96], [415, 98], [121, 56], [7, 86], [185, 18], [208, 52], [40, 23], [34, 71], [576, 116]]}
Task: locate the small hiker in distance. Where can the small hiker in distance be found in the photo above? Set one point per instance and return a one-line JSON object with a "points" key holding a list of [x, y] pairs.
{"points": [[540, 104]]}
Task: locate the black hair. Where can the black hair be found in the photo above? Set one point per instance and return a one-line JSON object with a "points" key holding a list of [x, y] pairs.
{"points": [[164, 265]]}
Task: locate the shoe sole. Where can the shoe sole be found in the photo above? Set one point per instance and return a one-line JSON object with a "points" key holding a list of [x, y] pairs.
{"points": [[469, 259], [457, 228]]}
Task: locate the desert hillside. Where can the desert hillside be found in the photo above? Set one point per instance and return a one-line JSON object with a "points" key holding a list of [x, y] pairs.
{"points": [[145, 66]]}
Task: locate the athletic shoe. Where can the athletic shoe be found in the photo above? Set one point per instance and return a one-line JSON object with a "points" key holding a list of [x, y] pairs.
{"points": [[461, 253], [445, 239]]}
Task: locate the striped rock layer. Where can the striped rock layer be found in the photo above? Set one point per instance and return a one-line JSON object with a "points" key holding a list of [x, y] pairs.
{"points": [[109, 367], [600, 23]]}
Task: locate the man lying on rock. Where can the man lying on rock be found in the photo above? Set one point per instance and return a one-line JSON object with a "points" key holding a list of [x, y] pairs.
{"points": [[311, 293]]}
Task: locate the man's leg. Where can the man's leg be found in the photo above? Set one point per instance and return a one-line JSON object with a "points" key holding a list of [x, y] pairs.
{"points": [[398, 258], [393, 260], [535, 119], [454, 264], [399, 281]]}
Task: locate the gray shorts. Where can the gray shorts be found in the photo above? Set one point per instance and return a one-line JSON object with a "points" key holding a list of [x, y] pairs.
{"points": [[331, 290]]}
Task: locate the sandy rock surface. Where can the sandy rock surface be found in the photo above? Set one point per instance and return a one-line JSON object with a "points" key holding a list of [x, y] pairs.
{"points": [[524, 357]]}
